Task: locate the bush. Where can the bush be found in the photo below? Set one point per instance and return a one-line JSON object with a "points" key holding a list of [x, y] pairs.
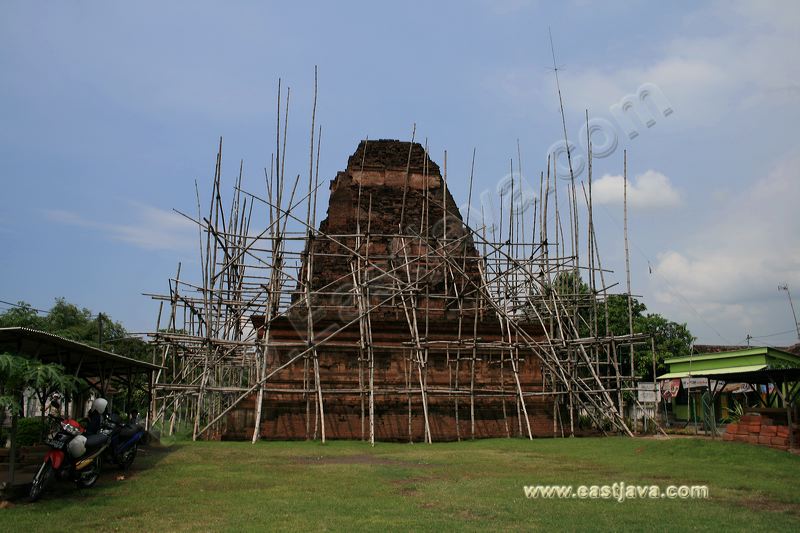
{"points": [[30, 430], [586, 422], [734, 414]]}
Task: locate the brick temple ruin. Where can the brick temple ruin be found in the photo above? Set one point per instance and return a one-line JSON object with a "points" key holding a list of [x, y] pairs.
{"points": [[393, 319], [382, 177]]}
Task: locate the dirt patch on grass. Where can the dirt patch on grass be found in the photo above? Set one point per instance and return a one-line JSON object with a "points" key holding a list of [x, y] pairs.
{"points": [[359, 459], [660, 477], [758, 503], [765, 504], [467, 515], [414, 480], [582, 467], [408, 485]]}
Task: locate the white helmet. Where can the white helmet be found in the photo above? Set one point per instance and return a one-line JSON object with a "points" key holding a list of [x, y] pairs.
{"points": [[77, 446], [99, 405]]}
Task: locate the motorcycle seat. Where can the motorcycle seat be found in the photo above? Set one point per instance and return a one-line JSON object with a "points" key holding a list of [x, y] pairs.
{"points": [[128, 432], [95, 441]]}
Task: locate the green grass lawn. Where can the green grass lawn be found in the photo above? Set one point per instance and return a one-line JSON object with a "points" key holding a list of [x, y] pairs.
{"points": [[345, 486]]}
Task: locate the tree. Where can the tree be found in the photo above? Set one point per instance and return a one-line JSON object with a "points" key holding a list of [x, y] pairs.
{"points": [[71, 322], [21, 316], [17, 374], [566, 286], [618, 314], [12, 382], [671, 338], [67, 320], [46, 378]]}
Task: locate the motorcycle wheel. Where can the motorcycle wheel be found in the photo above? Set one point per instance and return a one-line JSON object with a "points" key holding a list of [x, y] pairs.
{"points": [[41, 480], [88, 477], [127, 457]]}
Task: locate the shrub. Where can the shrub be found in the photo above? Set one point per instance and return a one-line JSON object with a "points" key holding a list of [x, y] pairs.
{"points": [[734, 414], [30, 430]]}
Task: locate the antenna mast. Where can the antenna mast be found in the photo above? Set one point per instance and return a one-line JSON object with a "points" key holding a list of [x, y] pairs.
{"points": [[785, 287]]}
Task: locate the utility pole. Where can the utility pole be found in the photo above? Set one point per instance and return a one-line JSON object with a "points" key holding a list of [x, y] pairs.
{"points": [[785, 287]]}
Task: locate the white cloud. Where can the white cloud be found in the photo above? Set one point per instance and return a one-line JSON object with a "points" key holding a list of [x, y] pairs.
{"points": [[154, 228], [650, 190], [730, 268], [747, 60], [67, 217]]}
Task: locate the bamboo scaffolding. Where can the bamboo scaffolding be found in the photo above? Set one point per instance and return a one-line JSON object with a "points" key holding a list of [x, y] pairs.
{"points": [[215, 357]]}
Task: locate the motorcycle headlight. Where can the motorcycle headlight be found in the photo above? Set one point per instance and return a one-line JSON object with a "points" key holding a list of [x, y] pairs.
{"points": [[69, 428]]}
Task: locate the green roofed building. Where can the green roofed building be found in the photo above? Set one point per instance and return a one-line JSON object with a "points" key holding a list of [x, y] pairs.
{"points": [[748, 376], [732, 362]]}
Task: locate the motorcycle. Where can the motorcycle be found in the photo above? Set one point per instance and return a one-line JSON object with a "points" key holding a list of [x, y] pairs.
{"points": [[125, 438], [72, 456]]}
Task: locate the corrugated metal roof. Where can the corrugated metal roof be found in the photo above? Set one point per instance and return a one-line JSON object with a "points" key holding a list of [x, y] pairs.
{"points": [[20, 335], [712, 372], [755, 350]]}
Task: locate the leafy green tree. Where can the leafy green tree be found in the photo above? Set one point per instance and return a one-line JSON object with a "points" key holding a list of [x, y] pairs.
{"points": [[79, 324], [12, 381], [618, 315], [567, 286], [46, 378], [22, 316], [18, 374], [671, 338], [67, 320]]}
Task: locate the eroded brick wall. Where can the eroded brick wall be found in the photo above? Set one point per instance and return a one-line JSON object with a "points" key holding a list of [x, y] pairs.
{"points": [[394, 195]]}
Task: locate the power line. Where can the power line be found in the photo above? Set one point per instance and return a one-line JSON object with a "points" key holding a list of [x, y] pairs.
{"points": [[772, 334], [20, 306], [41, 311]]}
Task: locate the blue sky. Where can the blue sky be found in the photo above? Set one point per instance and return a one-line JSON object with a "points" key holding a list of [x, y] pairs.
{"points": [[108, 113]]}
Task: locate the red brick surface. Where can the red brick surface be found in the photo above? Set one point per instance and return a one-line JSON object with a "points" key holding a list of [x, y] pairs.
{"points": [[755, 429], [370, 194], [769, 430]]}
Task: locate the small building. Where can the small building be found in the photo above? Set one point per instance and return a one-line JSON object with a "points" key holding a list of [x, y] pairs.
{"points": [[710, 387]]}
